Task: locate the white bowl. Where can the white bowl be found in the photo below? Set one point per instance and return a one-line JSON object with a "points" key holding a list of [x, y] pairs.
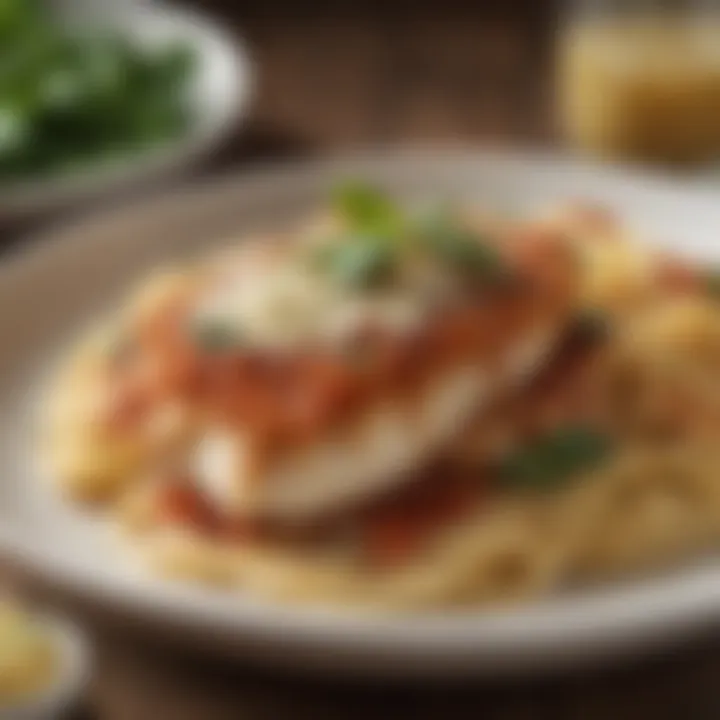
{"points": [[48, 294], [220, 94], [68, 683]]}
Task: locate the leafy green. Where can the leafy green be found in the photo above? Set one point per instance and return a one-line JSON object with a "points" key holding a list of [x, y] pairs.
{"points": [[377, 233], [460, 248], [68, 97], [552, 460], [366, 255], [360, 261], [19, 17], [366, 209]]}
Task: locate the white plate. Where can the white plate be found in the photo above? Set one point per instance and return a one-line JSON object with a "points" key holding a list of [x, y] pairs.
{"points": [[47, 295], [219, 94]]}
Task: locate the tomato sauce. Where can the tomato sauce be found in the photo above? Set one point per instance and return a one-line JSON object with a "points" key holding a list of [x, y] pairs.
{"points": [[388, 531], [392, 529], [288, 398]]}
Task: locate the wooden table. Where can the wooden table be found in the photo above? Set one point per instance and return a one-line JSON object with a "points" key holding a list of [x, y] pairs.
{"points": [[333, 76]]}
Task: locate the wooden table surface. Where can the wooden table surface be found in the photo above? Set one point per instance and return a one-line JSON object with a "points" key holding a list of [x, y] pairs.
{"points": [[332, 76]]}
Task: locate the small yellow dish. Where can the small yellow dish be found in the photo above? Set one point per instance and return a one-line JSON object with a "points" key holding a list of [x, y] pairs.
{"points": [[43, 661]]}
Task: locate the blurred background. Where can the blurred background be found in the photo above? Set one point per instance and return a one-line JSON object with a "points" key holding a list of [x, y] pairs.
{"points": [[127, 89], [333, 74], [100, 98], [96, 92]]}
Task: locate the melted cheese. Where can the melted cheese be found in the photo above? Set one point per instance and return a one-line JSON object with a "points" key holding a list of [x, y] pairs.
{"points": [[278, 300]]}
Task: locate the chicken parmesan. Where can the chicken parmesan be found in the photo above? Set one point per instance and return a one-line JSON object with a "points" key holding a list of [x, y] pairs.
{"points": [[397, 406]]}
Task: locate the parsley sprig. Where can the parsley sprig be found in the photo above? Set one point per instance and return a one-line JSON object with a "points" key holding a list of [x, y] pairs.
{"points": [[552, 460], [465, 251], [376, 233]]}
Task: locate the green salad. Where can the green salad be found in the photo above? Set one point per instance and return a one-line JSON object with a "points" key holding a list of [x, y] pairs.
{"points": [[70, 97]]}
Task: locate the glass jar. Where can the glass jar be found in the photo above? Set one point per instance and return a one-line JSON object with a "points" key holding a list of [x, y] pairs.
{"points": [[640, 79]]}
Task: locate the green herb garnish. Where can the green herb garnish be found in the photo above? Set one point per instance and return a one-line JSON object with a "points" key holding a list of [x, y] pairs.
{"points": [[463, 250], [378, 232], [360, 262], [552, 460], [366, 255], [366, 209]]}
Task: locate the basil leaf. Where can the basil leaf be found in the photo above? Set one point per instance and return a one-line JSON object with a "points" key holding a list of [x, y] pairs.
{"points": [[367, 209], [460, 248], [552, 460], [361, 262]]}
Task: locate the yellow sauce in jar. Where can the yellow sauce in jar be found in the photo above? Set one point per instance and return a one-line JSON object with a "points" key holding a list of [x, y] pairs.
{"points": [[642, 88]]}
